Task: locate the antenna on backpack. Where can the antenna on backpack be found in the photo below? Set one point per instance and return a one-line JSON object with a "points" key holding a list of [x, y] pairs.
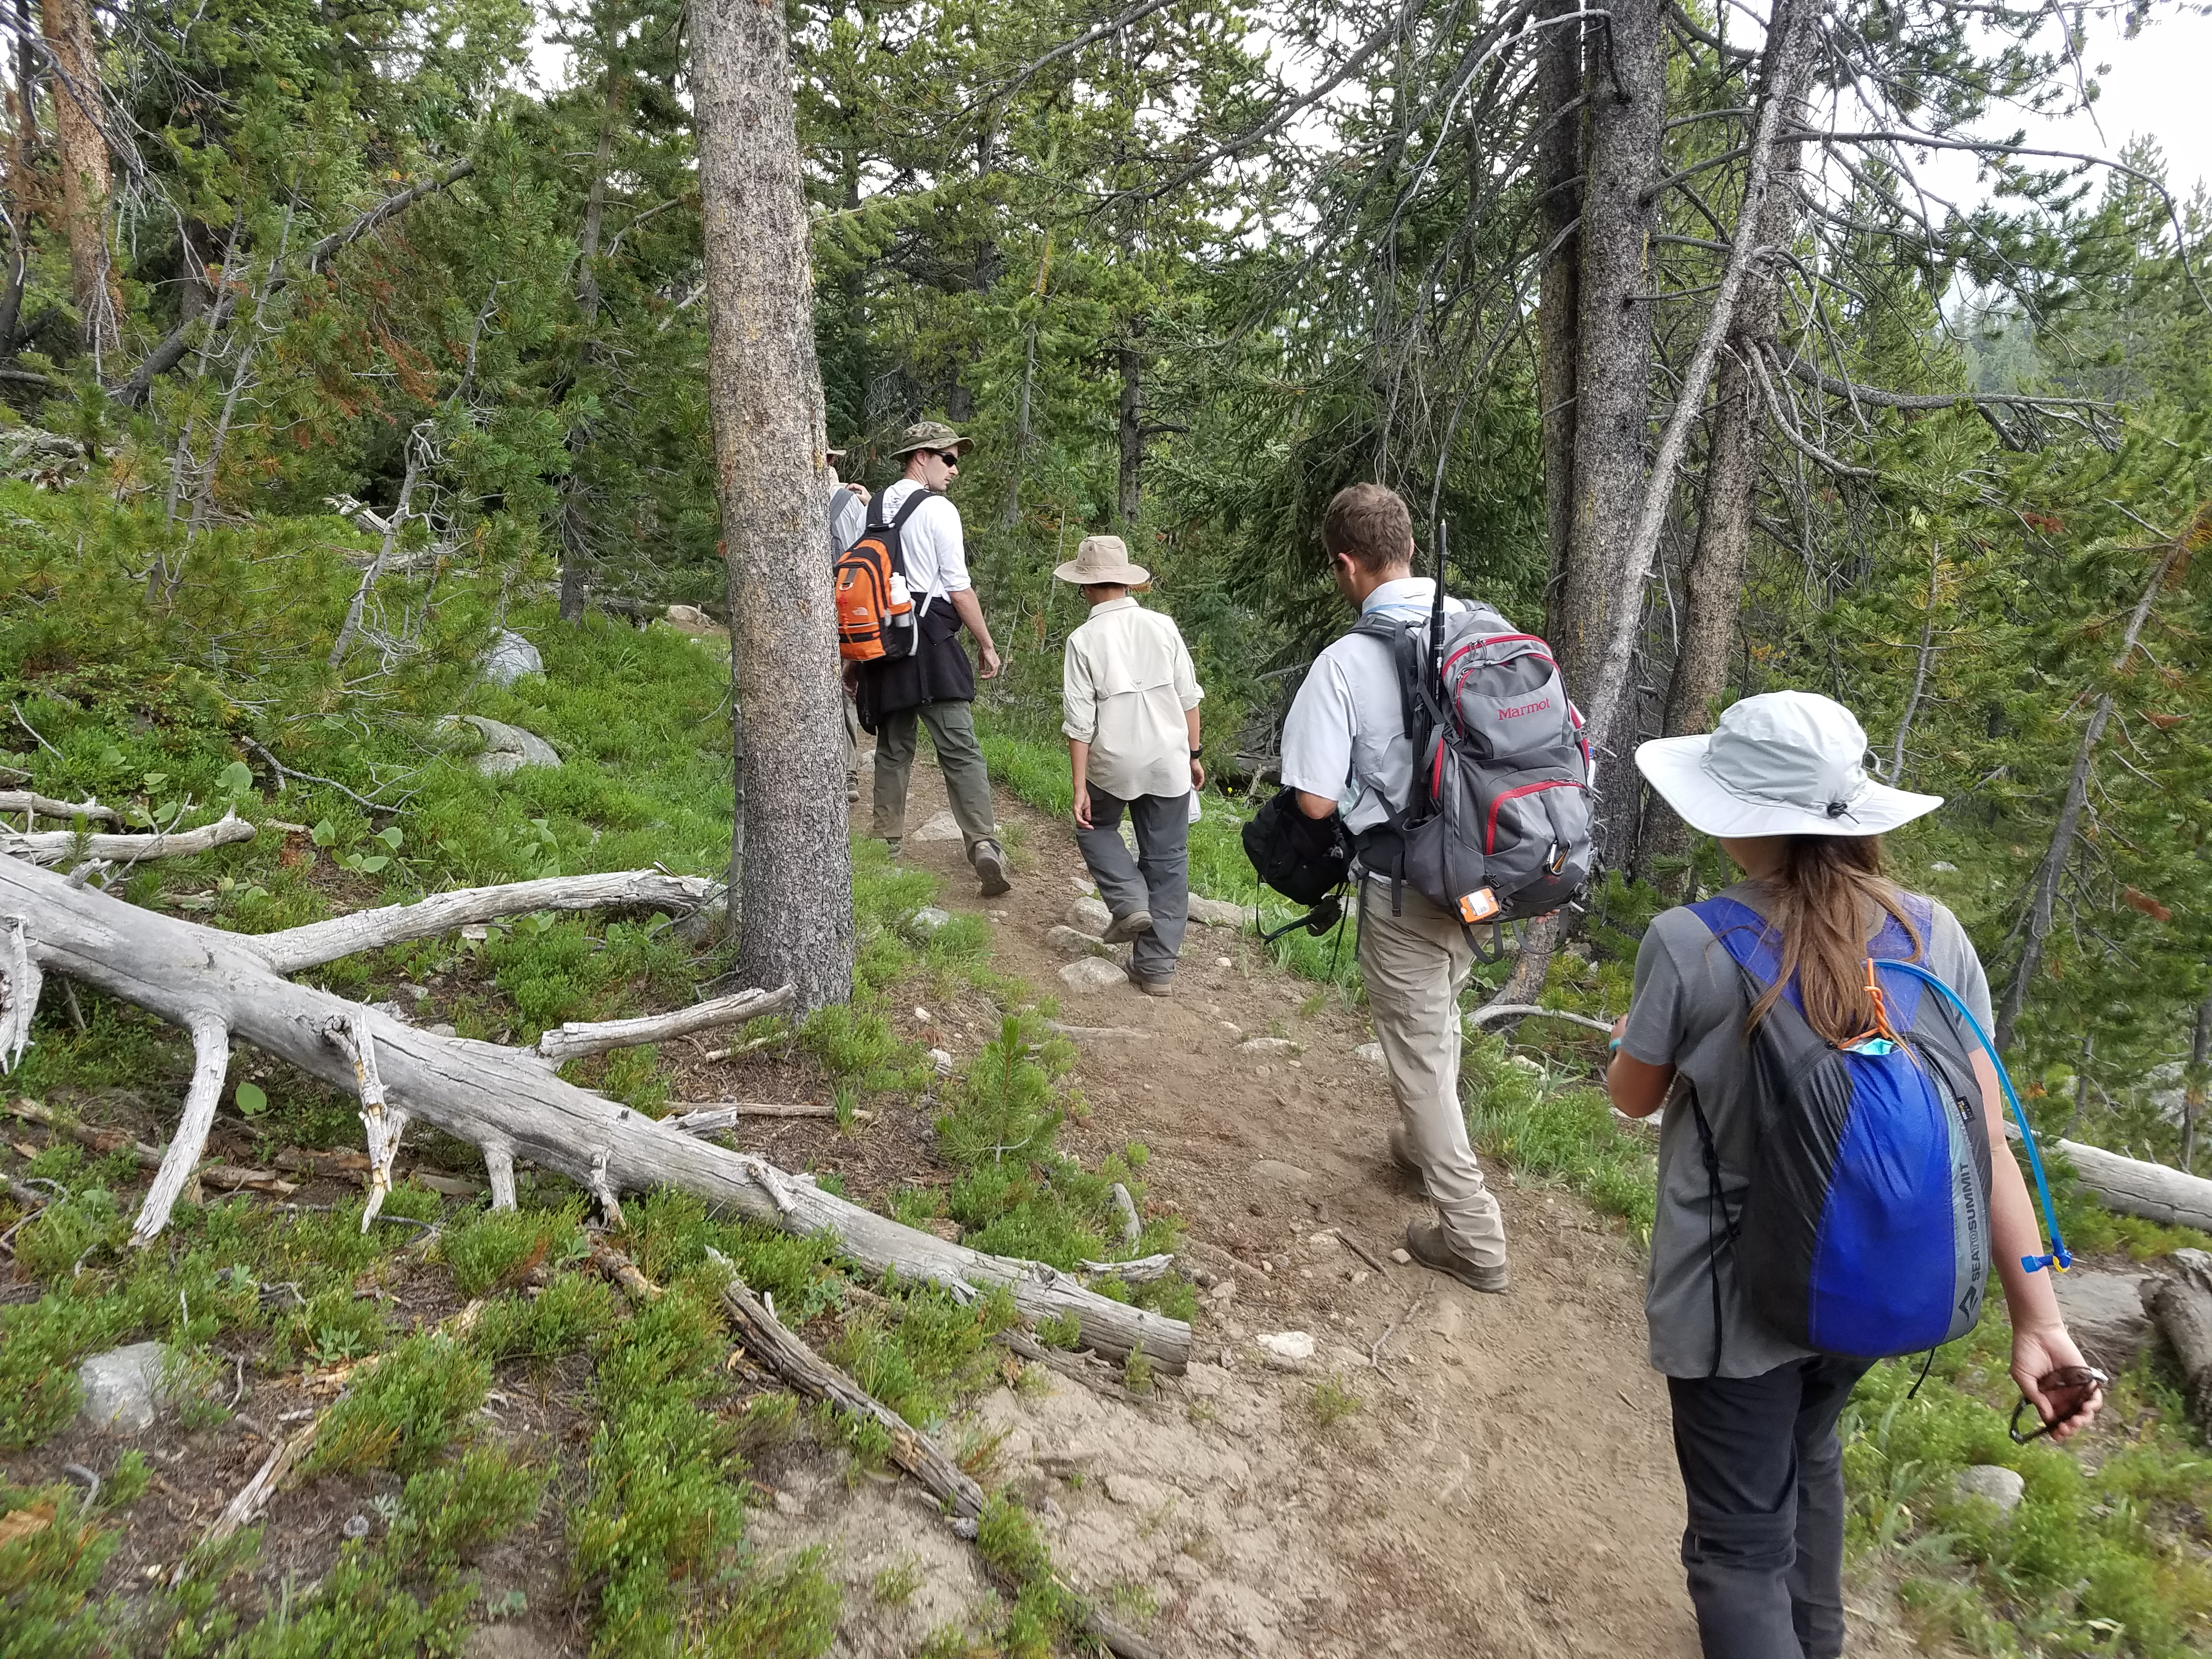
{"points": [[1436, 611]]}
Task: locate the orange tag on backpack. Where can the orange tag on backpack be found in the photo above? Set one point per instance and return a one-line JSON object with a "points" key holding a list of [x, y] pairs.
{"points": [[1479, 906]]}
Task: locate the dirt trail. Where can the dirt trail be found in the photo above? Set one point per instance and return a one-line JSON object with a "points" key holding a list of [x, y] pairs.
{"points": [[1507, 1486]]}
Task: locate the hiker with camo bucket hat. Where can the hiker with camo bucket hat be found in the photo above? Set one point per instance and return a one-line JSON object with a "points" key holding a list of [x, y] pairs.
{"points": [[935, 687]]}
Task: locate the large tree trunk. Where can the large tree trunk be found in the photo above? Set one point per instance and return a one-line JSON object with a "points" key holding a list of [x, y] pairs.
{"points": [[77, 95], [1559, 179], [1713, 583], [1625, 82], [765, 389]]}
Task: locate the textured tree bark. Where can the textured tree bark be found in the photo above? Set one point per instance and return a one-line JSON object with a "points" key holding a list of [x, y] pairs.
{"points": [[1713, 582], [1129, 494], [765, 389], [1559, 178], [2182, 1305], [2134, 1187], [1625, 81], [69, 30], [1612, 705]]}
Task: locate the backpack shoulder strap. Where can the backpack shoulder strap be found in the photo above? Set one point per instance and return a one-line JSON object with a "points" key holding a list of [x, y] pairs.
{"points": [[1745, 935]]}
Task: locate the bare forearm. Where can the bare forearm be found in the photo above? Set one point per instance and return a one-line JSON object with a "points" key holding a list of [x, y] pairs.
{"points": [[969, 610], [1078, 760], [1190, 724]]}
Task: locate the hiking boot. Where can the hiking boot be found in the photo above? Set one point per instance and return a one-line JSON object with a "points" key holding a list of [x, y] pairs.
{"points": [[1122, 929], [1151, 987], [1401, 1150], [1426, 1244], [991, 869]]}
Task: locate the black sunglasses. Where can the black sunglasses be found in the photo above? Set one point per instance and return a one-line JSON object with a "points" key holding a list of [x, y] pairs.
{"points": [[2071, 1391]]}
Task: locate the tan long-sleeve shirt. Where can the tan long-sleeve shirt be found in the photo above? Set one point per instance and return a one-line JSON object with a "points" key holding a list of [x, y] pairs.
{"points": [[1125, 684]]}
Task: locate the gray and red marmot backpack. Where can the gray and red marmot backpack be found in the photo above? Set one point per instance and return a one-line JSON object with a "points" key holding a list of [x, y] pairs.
{"points": [[1496, 827]]}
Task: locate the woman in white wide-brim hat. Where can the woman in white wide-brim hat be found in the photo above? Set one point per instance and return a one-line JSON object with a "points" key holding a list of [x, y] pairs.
{"points": [[1782, 782]]}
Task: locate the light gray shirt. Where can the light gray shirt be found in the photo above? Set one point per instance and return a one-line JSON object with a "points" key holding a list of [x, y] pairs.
{"points": [[1688, 1012], [1346, 735]]}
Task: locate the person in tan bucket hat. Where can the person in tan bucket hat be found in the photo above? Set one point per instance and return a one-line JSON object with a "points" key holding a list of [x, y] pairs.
{"points": [[1130, 700], [936, 686]]}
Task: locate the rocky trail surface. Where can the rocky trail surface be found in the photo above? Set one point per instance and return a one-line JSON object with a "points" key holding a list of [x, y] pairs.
{"points": [[1504, 1484]]}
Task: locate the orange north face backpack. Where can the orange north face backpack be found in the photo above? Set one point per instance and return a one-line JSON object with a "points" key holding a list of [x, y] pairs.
{"points": [[875, 612]]}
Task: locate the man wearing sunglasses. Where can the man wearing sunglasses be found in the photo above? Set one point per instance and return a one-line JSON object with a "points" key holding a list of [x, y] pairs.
{"points": [[936, 686]]}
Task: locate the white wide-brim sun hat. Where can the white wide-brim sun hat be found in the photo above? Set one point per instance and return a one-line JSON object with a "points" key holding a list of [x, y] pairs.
{"points": [[1781, 764]]}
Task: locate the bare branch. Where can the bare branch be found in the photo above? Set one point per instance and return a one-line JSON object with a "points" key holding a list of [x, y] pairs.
{"points": [[578, 1038], [319, 942]]}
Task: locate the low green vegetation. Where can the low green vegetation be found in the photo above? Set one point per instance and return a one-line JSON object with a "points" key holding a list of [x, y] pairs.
{"points": [[414, 1329]]}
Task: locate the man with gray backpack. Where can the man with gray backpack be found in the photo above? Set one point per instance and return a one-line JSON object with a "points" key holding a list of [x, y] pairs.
{"points": [[1445, 744]]}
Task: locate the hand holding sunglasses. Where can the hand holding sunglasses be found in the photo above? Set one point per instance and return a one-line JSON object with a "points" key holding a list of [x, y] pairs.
{"points": [[2069, 1391]]}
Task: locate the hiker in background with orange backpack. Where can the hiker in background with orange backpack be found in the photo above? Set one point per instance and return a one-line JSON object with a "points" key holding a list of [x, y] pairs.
{"points": [[848, 522], [902, 596], [1833, 1171]]}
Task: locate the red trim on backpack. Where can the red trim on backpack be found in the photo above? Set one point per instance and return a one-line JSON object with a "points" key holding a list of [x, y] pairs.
{"points": [[1490, 832]]}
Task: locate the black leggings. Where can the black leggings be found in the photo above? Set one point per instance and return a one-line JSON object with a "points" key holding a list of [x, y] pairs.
{"points": [[1764, 1474]]}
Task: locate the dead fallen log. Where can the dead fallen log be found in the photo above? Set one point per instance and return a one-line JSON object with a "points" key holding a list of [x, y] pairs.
{"points": [[765, 1337], [2136, 1187], [52, 846], [102, 1141], [1090, 1372], [2181, 1303], [509, 1103], [1489, 1012], [581, 1037], [790, 1358], [39, 805], [708, 1117], [319, 942]]}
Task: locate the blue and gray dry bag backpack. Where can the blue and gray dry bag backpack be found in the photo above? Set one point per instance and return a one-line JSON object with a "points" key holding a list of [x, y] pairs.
{"points": [[1865, 1229]]}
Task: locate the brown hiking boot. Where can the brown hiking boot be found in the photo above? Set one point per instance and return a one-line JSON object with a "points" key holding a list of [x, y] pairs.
{"points": [[1151, 987], [1426, 1244], [991, 869], [1122, 929], [1401, 1154]]}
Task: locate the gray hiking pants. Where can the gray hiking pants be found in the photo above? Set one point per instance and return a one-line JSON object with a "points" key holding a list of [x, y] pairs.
{"points": [[967, 780], [1416, 965], [1158, 881]]}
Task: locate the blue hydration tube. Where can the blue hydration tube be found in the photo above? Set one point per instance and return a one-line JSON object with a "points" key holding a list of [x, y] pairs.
{"points": [[2060, 1257]]}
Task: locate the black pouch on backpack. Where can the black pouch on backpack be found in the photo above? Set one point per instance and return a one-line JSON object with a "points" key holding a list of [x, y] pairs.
{"points": [[1305, 859]]}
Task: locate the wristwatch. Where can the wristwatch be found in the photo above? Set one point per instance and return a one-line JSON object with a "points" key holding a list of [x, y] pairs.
{"points": [[1197, 754]]}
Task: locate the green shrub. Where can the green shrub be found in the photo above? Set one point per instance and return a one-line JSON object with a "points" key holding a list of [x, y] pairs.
{"points": [[499, 1248], [786, 1613], [47, 1575], [401, 1415], [568, 1314], [449, 1513]]}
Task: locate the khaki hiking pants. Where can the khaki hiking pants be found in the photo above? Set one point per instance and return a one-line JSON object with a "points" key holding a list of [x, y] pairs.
{"points": [[1416, 965], [967, 780]]}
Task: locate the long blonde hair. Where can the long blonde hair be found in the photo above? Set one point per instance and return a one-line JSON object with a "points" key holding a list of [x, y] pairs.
{"points": [[1821, 894]]}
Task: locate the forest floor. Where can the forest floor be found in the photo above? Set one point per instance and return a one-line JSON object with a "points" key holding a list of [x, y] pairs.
{"points": [[1501, 1483]]}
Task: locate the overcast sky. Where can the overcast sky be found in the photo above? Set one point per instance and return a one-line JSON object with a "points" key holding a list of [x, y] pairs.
{"points": [[2158, 86]]}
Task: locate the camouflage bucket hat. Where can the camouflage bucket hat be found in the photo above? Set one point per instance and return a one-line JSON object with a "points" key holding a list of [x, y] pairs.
{"points": [[931, 434]]}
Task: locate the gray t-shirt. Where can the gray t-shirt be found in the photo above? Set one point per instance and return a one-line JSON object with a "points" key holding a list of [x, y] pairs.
{"points": [[1688, 1012]]}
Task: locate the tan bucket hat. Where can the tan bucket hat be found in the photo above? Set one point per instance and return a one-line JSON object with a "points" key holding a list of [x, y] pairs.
{"points": [[1103, 560], [931, 434]]}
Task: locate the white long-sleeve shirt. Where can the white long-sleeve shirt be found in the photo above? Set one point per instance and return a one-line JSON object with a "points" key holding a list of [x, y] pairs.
{"points": [[1125, 684]]}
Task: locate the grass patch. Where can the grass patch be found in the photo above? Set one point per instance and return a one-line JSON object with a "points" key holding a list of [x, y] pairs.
{"points": [[402, 1413]]}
